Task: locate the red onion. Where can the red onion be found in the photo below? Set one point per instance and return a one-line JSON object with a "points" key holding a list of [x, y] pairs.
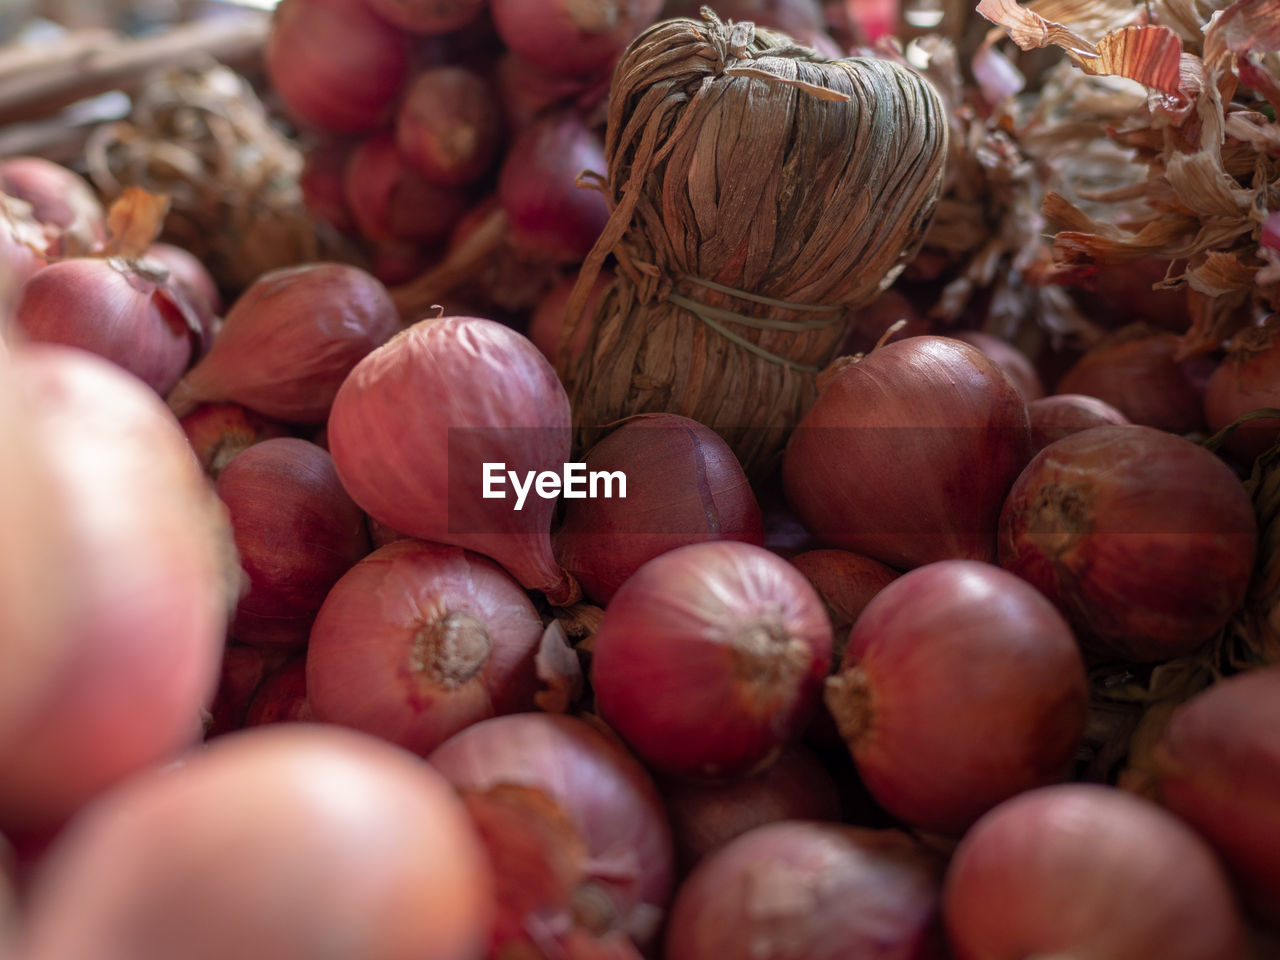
{"points": [[390, 200], [243, 670], [1218, 766], [574, 826], [1063, 414], [1009, 359], [549, 317], [282, 697], [706, 816], [1143, 539], [189, 277], [819, 891], [1081, 870], [337, 66], [418, 418], [218, 432], [550, 215], [380, 534], [873, 322], [323, 183], [526, 90], [420, 640], [711, 658], [290, 341], [450, 125], [397, 262], [23, 249], [1120, 293], [144, 588], [297, 532], [1249, 378], [60, 199], [283, 842], [572, 39], [683, 485], [116, 309], [908, 453], [846, 583], [427, 16]]}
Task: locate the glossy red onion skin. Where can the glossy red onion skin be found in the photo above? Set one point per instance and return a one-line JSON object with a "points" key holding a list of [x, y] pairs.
{"points": [[218, 432], [1063, 414], [376, 858], [1087, 870], [391, 201], [429, 17], [846, 582], [603, 790], [1144, 540], [571, 39], [710, 659], [410, 450], [1247, 380], [449, 126], [813, 890], [337, 66], [1218, 767], [684, 485], [906, 456], [189, 277], [290, 340], [548, 319], [370, 664], [109, 308], [1008, 358], [282, 697]]}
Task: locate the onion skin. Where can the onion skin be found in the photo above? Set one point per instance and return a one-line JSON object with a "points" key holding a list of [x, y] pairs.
{"points": [[1063, 414], [1247, 379], [190, 278], [145, 586], [218, 432], [846, 583], [819, 891], [1144, 540], [428, 17], [961, 686], [362, 853], [418, 641], [415, 421], [289, 342], [391, 201], [23, 253], [1218, 767], [711, 658], [449, 126], [907, 454], [568, 38], [1081, 870], [282, 697], [59, 198], [684, 485], [1008, 358]]}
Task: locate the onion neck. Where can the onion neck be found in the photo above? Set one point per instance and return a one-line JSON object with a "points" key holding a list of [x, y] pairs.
{"points": [[450, 651], [849, 697], [768, 661]]}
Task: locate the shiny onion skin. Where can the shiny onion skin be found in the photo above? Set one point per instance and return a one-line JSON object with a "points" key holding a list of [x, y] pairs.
{"points": [[961, 686], [1144, 540], [907, 454], [1083, 870], [1063, 414], [1218, 767], [1248, 378], [450, 125], [428, 17], [568, 38], [419, 640], [290, 341], [556, 792], [281, 843], [416, 420], [684, 485], [711, 658], [1008, 358], [813, 890], [846, 583]]}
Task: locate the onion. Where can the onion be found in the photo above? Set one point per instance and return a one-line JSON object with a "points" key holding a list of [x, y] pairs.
{"points": [[324, 187], [449, 126], [116, 309], [290, 341], [846, 583], [144, 587], [550, 317], [1081, 870], [189, 277], [1009, 359], [289, 842], [574, 826], [549, 214], [1063, 414], [683, 486], [908, 453], [244, 668], [23, 249], [706, 816], [1120, 293], [1143, 539], [710, 659], [60, 199], [282, 697], [1218, 767], [399, 261], [415, 422], [1136, 372], [568, 38], [218, 432], [429, 17], [420, 640], [337, 66], [1247, 379], [297, 532], [526, 90], [873, 322], [390, 200], [819, 891]]}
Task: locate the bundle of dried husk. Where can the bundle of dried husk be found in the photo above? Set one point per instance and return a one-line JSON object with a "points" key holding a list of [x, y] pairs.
{"points": [[758, 194]]}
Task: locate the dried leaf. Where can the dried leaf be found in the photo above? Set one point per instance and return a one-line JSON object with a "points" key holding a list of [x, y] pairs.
{"points": [[1150, 55], [1221, 273], [1213, 321], [1031, 31], [559, 671], [134, 222]]}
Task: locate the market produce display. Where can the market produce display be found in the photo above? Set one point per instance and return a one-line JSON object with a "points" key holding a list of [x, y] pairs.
{"points": [[535, 480]]}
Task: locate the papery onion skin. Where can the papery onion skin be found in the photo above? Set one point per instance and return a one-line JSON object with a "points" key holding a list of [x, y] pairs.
{"points": [[907, 454], [60, 198], [1063, 414], [1218, 767], [218, 432], [961, 686], [192, 279], [391, 201], [1008, 358], [419, 640], [1144, 540], [289, 342], [416, 420], [1247, 379], [814, 890], [710, 659], [450, 125], [360, 851], [23, 253], [428, 16], [282, 697], [568, 38], [1087, 870]]}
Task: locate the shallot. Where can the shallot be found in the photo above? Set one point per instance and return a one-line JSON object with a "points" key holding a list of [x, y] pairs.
{"points": [[569, 38], [391, 201], [1247, 379], [1063, 414], [218, 432], [282, 696], [427, 16], [449, 126], [59, 198], [1016, 365]]}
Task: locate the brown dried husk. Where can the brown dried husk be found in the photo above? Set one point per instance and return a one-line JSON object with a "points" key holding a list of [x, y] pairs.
{"points": [[736, 157]]}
